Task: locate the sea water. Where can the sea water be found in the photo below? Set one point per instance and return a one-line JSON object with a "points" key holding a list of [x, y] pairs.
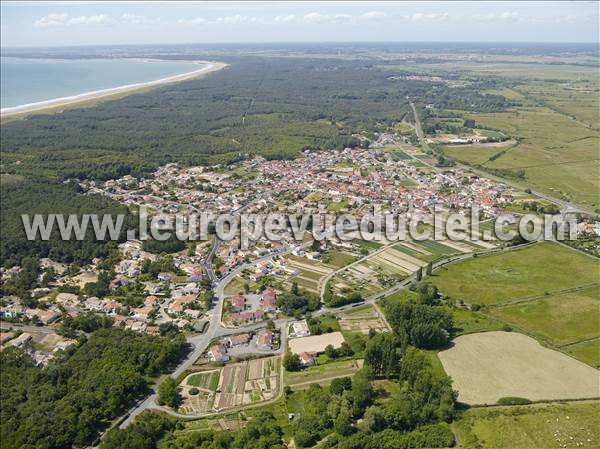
{"points": [[25, 81]]}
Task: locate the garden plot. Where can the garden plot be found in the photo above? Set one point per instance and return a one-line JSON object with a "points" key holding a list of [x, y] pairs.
{"points": [[311, 273], [248, 382], [491, 365], [362, 319], [202, 402]]}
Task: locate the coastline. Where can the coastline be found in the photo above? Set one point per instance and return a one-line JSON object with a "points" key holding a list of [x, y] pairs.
{"points": [[59, 104]]}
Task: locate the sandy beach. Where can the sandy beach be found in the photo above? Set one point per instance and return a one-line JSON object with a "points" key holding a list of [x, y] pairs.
{"points": [[59, 104]]}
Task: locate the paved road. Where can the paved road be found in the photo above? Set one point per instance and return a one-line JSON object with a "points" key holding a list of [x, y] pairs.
{"points": [[5, 325]]}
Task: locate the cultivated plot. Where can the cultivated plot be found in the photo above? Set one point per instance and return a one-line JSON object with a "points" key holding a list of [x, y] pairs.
{"points": [[488, 366]]}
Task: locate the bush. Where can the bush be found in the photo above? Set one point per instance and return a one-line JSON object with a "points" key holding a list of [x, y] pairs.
{"points": [[291, 362], [506, 328], [511, 400], [193, 391]]}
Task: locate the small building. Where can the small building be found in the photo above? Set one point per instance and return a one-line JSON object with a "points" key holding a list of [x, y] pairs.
{"points": [[264, 341], [299, 329], [306, 358], [217, 353], [20, 340], [236, 340], [238, 303], [268, 300]]}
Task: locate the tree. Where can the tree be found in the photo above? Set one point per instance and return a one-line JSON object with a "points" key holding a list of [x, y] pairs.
{"points": [[362, 393], [330, 352], [429, 269], [291, 362], [343, 422], [168, 393], [373, 420], [340, 384], [381, 354]]}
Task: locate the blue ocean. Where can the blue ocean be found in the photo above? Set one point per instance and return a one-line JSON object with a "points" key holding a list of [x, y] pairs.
{"points": [[25, 81]]}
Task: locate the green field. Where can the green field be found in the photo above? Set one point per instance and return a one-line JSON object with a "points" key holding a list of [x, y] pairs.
{"points": [[322, 373], [531, 427], [209, 380], [562, 319], [498, 278], [586, 351], [469, 322]]}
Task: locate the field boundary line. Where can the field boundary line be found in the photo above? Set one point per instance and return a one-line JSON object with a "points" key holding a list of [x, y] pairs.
{"points": [[548, 294]]}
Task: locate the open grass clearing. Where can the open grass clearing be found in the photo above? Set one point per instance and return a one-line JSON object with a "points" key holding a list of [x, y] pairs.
{"points": [[562, 319], [511, 275], [540, 426], [321, 373]]}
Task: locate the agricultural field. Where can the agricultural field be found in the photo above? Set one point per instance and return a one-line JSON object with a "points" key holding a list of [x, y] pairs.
{"points": [[562, 319], [530, 427], [518, 274], [362, 319], [231, 386], [489, 366], [554, 120], [556, 154], [586, 351], [382, 269], [322, 374], [310, 273]]}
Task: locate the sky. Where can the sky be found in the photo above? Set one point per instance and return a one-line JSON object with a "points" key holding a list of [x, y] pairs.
{"points": [[47, 24]]}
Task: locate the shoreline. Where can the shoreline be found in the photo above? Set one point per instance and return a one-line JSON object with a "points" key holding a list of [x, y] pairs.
{"points": [[59, 104]]}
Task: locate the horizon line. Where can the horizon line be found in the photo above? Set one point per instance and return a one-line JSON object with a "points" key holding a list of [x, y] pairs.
{"points": [[246, 44]]}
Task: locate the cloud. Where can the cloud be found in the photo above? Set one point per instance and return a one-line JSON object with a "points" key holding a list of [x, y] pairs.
{"points": [[52, 20], [61, 20], [436, 17], [285, 19], [317, 18]]}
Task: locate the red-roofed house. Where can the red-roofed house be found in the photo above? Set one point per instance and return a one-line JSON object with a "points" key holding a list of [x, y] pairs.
{"points": [[268, 300], [238, 303]]}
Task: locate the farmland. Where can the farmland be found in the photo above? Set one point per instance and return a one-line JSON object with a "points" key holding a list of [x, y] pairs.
{"points": [[362, 319], [488, 366], [532, 427], [554, 120], [322, 373], [499, 278], [562, 318], [231, 386]]}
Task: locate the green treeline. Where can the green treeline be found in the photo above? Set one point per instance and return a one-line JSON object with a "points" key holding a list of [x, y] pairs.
{"points": [[37, 196]]}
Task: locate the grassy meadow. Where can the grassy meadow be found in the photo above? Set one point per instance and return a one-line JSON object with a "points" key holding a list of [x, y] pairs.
{"points": [[512, 275]]}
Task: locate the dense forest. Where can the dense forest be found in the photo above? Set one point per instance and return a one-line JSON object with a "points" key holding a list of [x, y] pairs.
{"points": [[38, 196], [77, 394]]}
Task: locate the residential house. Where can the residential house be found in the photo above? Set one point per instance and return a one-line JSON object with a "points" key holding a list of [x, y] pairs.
{"points": [[299, 329], [247, 316], [238, 303], [306, 358], [236, 340], [264, 340], [43, 316], [217, 353], [177, 305], [20, 340], [142, 313], [268, 300]]}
